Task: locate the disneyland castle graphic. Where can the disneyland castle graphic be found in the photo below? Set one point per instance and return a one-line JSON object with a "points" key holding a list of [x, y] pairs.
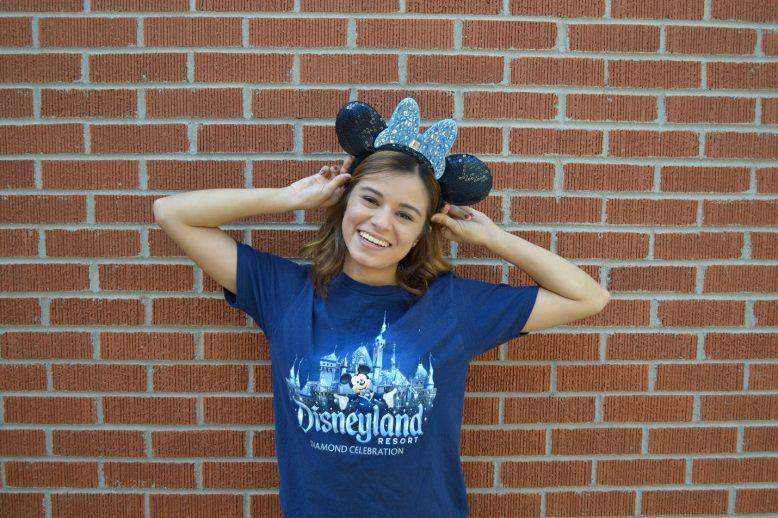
{"points": [[358, 394]]}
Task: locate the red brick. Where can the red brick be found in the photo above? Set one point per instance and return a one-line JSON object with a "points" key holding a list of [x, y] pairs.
{"points": [[198, 312], [550, 409], [390, 33], [655, 74], [84, 175], [458, 69], [88, 32], [243, 5], [43, 138], [505, 35], [147, 346], [502, 442], [760, 438], [548, 209], [22, 443], [59, 345], [630, 143], [240, 475], [584, 441], [659, 9], [684, 503], [51, 474], [434, 104], [89, 103], [22, 377], [608, 177], [707, 377], [509, 105], [15, 103], [152, 138], [234, 410], [149, 475], [598, 378], [726, 346], [20, 311], [692, 440], [243, 68], [770, 43], [544, 474], [699, 245], [98, 443], [549, 141], [764, 245], [124, 209], [565, 9], [648, 408], [679, 279], [591, 503], [104, 505], [770, 111], [739, 408], [40, 68], [191, 175], [728, 471], [611, 107], [245, 138], [493, 378], [99, 378], [192, 32], [454, 6], [652, 212], [748, 10], [690, 109], [17, 174], [558, 71], [614, 38], [150, 410], [739, 278], [641, 472], [752, 501], [205, 443], [206, 102], [222, 505], [19, 242], [750, 76], [710, 40], [42, 5], [741, 145], [624, 346], [96, 312], [763, 377], [140, 5], [316, 103], [92, 243], [16, 32], [332, 6], [137, 68], [700, 313], [42, 209], [50, 410], [743, 212], [201, 378], [146, 277], [44, 277]]}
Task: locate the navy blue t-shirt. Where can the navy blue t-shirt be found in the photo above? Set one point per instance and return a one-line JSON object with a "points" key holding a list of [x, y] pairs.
{"points": [[369, 384]]}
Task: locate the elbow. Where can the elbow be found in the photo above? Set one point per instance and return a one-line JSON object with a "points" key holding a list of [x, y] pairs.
{"points": [[603, 300], [156, 209]]}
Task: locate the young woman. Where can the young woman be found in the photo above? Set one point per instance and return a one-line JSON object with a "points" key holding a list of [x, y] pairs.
{"points": [[370, 343]]}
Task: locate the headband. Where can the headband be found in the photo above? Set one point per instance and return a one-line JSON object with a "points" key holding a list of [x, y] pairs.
{"points": [[463, 178]]}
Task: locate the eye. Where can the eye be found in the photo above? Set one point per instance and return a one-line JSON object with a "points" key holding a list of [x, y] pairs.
{"points": [[369, 199], [406, 216]]}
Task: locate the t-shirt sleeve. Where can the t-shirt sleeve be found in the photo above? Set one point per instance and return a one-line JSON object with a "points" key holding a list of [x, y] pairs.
{"points": [[492, 313], [265, 284]]}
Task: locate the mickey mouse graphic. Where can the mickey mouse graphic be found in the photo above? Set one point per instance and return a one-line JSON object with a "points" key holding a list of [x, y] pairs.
{"points": [[362, 386]]}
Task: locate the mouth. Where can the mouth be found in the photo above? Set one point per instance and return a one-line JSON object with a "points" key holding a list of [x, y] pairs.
{"points": [[371, 241]]}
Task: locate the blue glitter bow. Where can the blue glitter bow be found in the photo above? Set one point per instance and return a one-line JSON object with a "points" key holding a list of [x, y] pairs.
{"points": [[403, 128]]}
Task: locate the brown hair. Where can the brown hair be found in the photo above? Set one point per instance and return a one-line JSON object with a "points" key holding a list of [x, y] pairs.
{"points": [[423, 263]]}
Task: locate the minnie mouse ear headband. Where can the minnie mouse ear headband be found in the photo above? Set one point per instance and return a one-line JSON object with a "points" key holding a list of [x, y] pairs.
{"points": [[463, 179]]}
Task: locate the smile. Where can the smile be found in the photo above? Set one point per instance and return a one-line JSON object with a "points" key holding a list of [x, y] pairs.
{"points": [[374, 240]]}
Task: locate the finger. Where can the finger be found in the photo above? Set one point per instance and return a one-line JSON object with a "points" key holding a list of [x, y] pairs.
{"points": [[457, 211], [442, 219]]}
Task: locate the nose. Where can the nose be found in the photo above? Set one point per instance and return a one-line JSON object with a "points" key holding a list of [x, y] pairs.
{"points": [[381, 217]]}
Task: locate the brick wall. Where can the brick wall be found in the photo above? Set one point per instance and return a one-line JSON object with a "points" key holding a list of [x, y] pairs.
{"points": [[637, 139]]}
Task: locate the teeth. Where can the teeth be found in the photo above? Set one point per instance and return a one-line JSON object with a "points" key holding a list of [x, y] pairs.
{"points": [[374, 240]]}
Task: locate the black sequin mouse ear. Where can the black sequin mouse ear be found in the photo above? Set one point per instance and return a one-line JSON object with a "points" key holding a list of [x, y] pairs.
{"points": [[357, 126], [466, 181]]}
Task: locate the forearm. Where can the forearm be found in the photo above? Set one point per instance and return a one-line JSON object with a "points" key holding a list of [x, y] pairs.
{"points": [[214, 207], [547, 269]]}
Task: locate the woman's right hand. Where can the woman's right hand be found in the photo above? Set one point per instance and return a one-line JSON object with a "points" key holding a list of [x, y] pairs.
{"points": [[323, 189]]}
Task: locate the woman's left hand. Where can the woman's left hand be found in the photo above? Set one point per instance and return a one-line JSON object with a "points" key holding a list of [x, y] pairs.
{"points": [[465, 224]]}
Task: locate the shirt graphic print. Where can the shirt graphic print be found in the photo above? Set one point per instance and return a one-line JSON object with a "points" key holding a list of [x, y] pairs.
{"points": [[363, 394]]}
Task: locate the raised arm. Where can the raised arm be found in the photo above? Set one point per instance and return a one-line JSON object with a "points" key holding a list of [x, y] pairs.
{"points": [[191, 219]]}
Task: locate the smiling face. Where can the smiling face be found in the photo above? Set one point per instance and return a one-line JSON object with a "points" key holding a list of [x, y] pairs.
{"points": [[384, 216]]}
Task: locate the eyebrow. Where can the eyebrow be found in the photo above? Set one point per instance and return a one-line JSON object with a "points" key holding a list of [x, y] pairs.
{"points": [[365, 188]]}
